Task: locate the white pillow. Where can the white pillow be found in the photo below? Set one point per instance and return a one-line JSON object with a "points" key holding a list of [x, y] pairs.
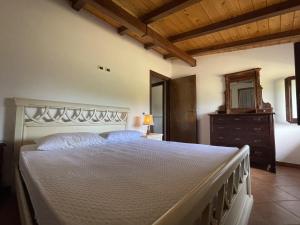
{"points": [[63, 141], [122, 135]]}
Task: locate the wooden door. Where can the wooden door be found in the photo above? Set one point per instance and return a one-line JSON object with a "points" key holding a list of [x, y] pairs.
{"points": [[183, 115]]}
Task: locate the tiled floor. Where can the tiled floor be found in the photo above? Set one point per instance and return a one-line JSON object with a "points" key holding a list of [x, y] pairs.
{"points": [[276, 199]]}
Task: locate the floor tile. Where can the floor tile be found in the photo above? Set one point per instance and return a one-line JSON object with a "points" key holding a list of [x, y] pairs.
{"points": [[292, 190], [291, 206], [271, 194], [276, 197], [270, 213], [278, 180]]}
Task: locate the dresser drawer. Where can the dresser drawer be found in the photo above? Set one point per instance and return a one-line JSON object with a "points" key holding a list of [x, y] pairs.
{"points": [[258, 141], [229, 140], [256, 153], [241, 129], [259, 119], [241, 119], [228, 119], [259, 129], [261, 155]]}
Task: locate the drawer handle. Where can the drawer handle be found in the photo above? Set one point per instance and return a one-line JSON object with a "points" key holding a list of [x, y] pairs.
{"points": [[238, 128], [257, 129], [237, 139], [220, 127], [221, 138], [237, 119], [258, 153], [257, 141]]}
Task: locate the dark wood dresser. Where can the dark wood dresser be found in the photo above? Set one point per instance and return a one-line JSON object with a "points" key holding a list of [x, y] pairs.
{"points": [[255, 130]]}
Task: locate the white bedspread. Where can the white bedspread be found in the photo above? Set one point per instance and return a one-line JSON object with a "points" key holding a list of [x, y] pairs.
{"points": [[131, 183]]}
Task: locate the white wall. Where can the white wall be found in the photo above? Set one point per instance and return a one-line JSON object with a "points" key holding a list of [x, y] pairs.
{"points": [[277, 62], [49, 51]]}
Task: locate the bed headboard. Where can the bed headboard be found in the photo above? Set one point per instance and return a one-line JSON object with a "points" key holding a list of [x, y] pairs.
{"points": [[37, 118]]}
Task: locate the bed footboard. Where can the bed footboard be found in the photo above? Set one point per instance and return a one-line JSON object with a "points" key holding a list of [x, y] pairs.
{"points": [[223, 199]]}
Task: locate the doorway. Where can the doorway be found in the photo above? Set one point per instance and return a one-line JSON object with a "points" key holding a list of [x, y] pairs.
{"points": [[173, 107], [159, 103]]}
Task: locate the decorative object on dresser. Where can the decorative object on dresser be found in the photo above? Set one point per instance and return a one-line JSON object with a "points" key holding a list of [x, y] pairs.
{"points": [[291, 99], [245, 119], [243, 93], [154, 136]]}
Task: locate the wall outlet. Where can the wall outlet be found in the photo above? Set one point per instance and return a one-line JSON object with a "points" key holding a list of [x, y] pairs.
{"points": [[103, 68]]}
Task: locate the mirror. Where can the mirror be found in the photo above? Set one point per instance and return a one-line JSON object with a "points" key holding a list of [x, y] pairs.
{"points": [[242, 94], [290, 99]]}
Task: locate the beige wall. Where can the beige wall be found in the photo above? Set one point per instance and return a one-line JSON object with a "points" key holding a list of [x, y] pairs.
{"points": [[49, 51], [277, 62]]}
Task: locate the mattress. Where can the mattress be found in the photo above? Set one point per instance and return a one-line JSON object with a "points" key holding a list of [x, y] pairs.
{"points": [[130, 183]]}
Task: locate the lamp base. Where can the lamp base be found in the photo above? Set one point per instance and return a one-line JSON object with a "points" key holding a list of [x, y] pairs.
{"points": [[148, 130]]}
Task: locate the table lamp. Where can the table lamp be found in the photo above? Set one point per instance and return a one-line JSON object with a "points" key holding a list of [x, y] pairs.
{"points": [[148, 120]]}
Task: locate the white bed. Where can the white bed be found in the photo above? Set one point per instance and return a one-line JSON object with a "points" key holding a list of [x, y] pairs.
{"points": [[138, 182]]}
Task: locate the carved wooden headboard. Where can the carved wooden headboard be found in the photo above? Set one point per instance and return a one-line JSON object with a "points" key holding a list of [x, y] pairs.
{"points": [[37, 118]]}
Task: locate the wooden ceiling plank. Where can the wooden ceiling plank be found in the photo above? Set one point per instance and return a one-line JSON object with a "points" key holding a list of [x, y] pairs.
{"points": [[282, 36], [166, 44], [111, 9], [164, 11], [167, 9], [274, 10]]}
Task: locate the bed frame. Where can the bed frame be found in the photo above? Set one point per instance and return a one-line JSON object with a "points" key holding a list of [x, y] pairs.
{"points": [[224, 198]]}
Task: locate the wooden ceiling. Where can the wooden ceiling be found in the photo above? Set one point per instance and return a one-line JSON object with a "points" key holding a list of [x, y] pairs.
{"points": [[184, 28]]}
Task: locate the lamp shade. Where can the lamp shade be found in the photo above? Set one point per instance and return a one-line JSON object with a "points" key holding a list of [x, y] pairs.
{"points": [[148, 119]]}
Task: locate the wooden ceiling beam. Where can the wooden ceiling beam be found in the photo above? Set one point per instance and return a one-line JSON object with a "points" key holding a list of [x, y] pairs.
{"points": [[282, 36], [149, 46], [164, 11], [122, 30], [79, 4], [271, 11], [114, 11], [111, 9]]}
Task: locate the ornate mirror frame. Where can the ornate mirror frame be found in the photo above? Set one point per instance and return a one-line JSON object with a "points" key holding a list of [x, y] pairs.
{"points": [[252, 74]]}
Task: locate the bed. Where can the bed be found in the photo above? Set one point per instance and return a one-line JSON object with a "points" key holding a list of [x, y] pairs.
{"points": [[133, 182]]}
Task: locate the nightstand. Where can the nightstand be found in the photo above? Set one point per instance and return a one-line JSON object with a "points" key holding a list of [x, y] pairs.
{"points": [[154, 136], [2, 146], [4, 191]]}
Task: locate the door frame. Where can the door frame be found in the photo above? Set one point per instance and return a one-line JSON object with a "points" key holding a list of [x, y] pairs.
{"points": [[166, 110]]}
